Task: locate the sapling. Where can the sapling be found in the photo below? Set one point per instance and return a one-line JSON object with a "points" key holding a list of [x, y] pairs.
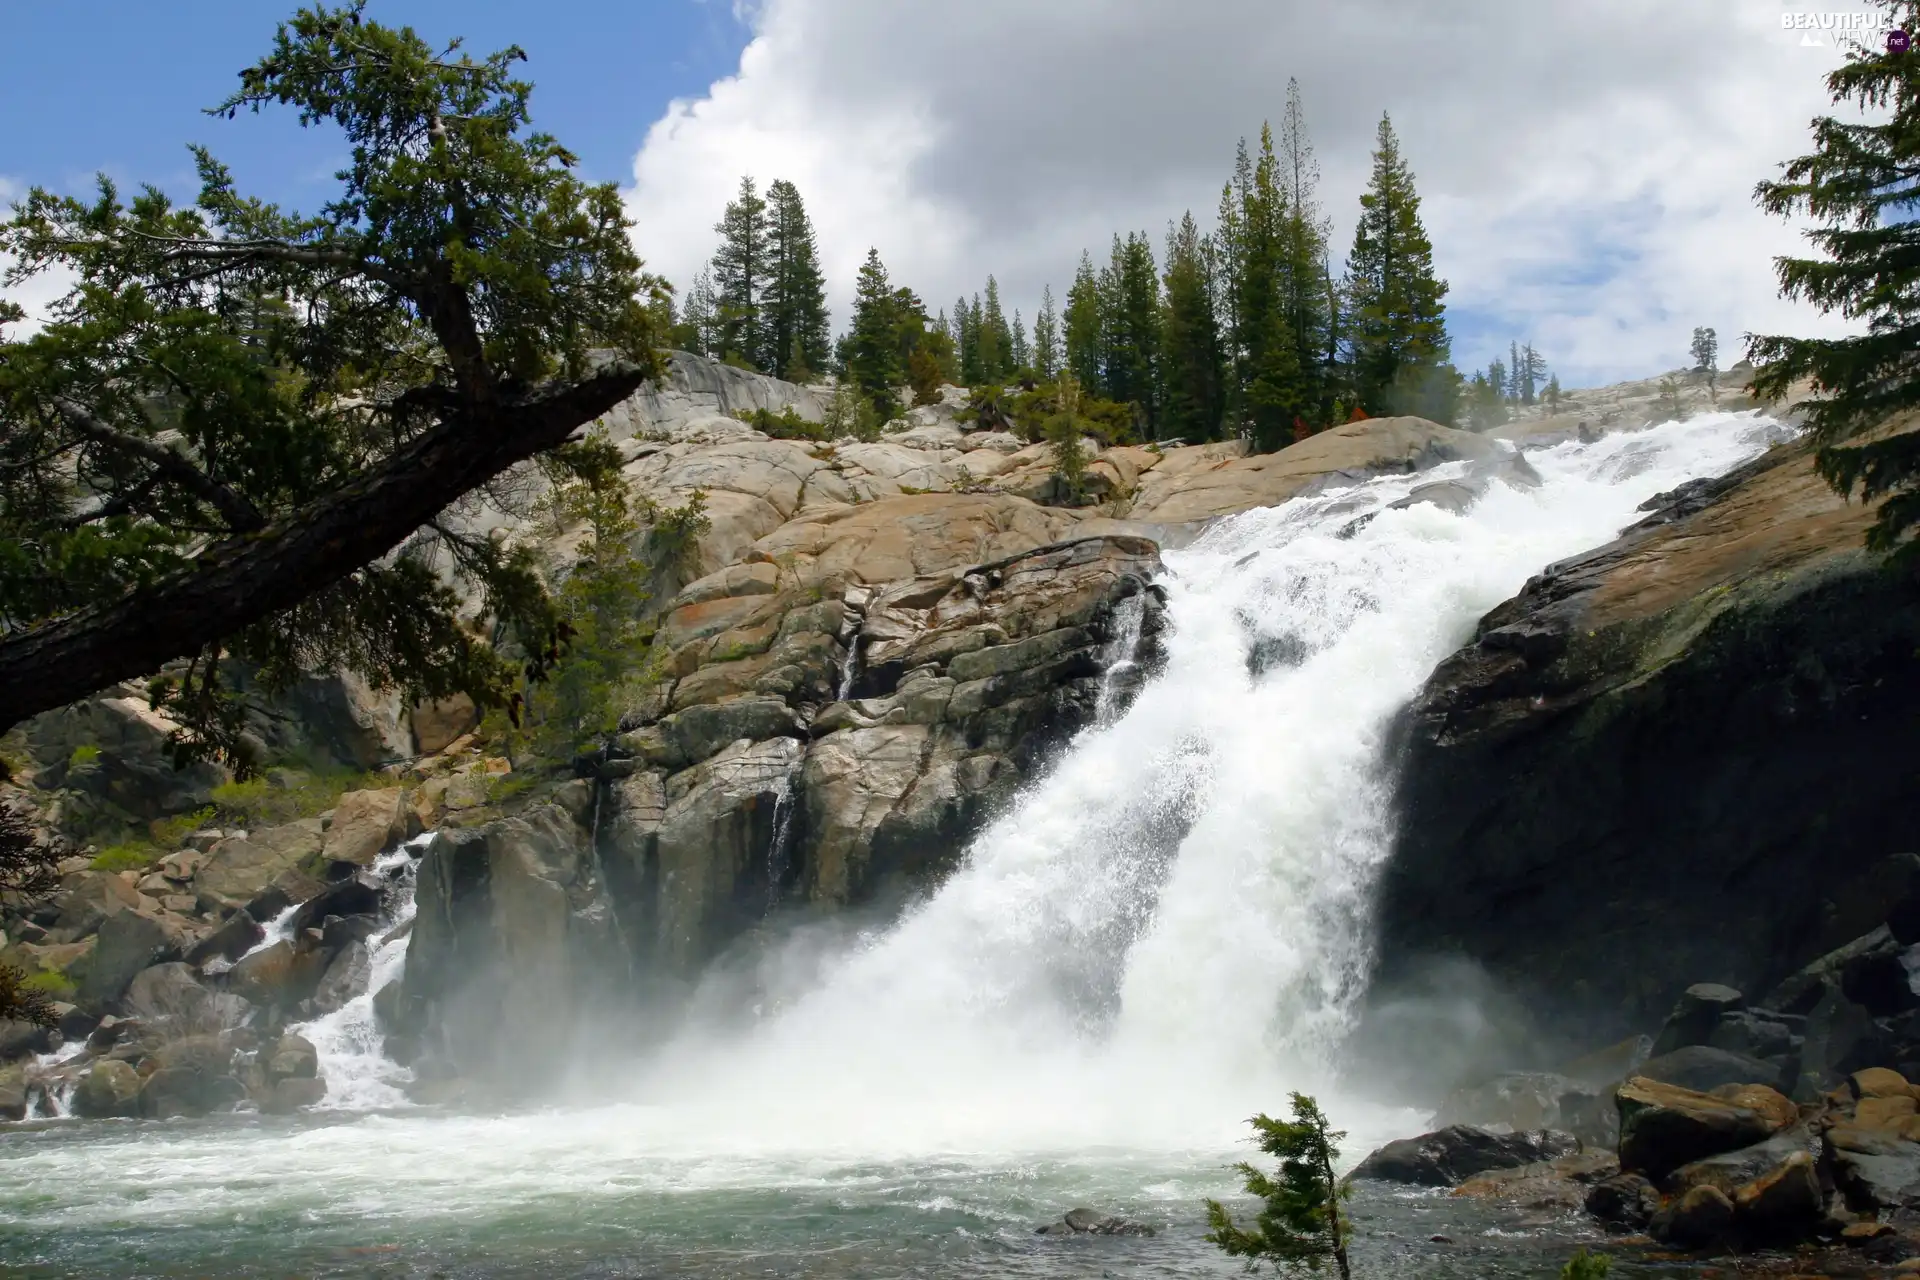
{"points": [[1302, 1225]]}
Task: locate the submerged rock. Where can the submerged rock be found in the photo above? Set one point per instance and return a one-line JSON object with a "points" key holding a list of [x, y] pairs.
{"points": [[1088, 1222], [1453, 1154]]}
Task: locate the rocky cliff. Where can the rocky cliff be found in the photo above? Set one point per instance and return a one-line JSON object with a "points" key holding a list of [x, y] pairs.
{"points": [[1680, 757]]}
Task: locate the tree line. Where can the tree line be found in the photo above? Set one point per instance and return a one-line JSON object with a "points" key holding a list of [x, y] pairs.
{"points": [[1245, 330]]}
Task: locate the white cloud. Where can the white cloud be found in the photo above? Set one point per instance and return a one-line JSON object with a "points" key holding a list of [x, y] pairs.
{"points": [[36, 293], [1587, 170]]}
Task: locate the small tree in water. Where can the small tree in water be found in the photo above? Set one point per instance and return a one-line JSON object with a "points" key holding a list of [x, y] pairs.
{"points": [[1587, 1266], [1303, 1224]]}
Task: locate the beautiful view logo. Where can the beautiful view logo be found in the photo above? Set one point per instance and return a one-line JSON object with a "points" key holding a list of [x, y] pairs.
{"points": [[1864, 30]]}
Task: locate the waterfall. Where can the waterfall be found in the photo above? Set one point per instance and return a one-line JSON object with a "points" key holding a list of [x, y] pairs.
{"points": [[278, 929], [779, 850], [1169, 929], [849, 669], [1119, 658], [348, 1041]]}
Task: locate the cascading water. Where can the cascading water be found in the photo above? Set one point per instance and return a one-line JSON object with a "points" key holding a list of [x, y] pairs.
{"points": [[1170, 928], [1164, 934], [1120, 655], [348, 1042]]}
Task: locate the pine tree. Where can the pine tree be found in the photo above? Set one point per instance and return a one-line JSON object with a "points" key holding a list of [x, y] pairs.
{"points": [[1858, 184], [873, 359], [1019, 353], [1533, 371], [740, 272], [698, 328], [1190, 338], [1085, 354], [1304, 298], [797, 343], [1706, 359], [1131, 327], [1552, 394], [996, 339], [1302, 1222], [1046, 337], [1265, 394], [1516, 372], [1399, 335]]}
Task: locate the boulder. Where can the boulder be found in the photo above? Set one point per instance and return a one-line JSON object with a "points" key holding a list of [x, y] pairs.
{"points": [[129, 941], [1880, 1082], [438, 723], [1663, 1126], [240, 867], [281, 975], [109, 1088], [1088, 1222], [170, 997], [293, 1094], [1732, 1170], [292, 1057], [19, 1039], [345, 977], [14, 1094], [1784, 1204], [1701, 1068], [1694, 1017], [1701, 1219], [1626, 1201], [367, 824], [192, 1077], [1446, 1157], [359, 894], [1875, 1170], [86, 898], [232, 938]]}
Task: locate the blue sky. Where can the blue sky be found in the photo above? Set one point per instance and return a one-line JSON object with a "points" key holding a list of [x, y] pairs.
{"points": [[1586, 170], [119, 86]]}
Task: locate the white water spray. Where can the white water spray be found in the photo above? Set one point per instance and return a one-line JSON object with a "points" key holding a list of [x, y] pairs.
{"points": [[348, 1042], [1170, 929]]}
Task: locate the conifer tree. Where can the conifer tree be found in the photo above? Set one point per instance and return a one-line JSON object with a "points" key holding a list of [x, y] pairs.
{"points": [[1304, 298], [239, 433], [795, 305], [1706, 358], [1131, 327], [1552, 394], [1020, 356], [996, 338], [873, 358], [1399, 335], [1085, 354], [1190, 338], [1046, 337], [1858, 185], [1265, 394], [740, 273], [1516, 372], [1302, 1222], [1533, 371], [697, 330]]}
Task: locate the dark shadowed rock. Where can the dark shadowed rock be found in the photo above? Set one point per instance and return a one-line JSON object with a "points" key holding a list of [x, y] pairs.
{"points": [[170, 998], [1088, 1222], [194, 1076], [1450, 1155], [1702, 1068], [1695, 1015], [1731, 1170], [1782, 1205], [232, 938], [1700, 1219], [129, 942], [1663, 1126], [294, 1093], [1627, 1201]]}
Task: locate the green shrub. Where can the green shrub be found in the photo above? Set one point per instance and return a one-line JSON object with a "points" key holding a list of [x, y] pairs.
{"points": [[1586, 1266], [83, 755], [784, 425], [852, 415], [134, 855], [260, 802], [50, 983]]}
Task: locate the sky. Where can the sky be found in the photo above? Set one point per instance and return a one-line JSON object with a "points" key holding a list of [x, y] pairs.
{"points": [[1586, 170]]}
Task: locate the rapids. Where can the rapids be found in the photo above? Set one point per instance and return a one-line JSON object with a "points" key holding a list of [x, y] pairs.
{"points": [[1163, 935]]}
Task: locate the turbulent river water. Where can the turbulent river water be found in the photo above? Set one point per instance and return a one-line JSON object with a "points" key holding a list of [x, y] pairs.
{"points": [[1164, 935]]}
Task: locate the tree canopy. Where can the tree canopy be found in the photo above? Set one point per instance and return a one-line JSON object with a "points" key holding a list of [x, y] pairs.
{"points": [[1861, 184], [250, 432]]}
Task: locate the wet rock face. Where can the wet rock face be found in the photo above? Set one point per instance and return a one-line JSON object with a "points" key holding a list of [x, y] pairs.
{"points": [[1458, 1152], [823, 740], [1680, 756]]}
